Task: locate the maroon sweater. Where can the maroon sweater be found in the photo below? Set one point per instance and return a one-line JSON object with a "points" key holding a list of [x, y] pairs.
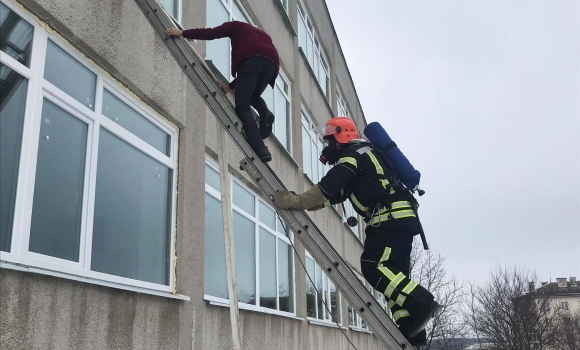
{"points": [[246, 41]]}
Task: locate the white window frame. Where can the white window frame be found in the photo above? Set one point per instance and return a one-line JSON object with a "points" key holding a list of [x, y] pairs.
{"points": [[284, 4], [326, 317], [40, 89], [321, 169], [280, 81], [178, 8], [257, 225], [355, 322], [342, 109], [319, 60], [229, 7]]}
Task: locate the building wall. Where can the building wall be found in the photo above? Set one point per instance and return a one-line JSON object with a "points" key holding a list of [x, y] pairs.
{"points": [[45, 312]]}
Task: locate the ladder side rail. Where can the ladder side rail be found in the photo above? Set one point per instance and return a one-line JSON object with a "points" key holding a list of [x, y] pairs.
{"points": [[263, 176]]}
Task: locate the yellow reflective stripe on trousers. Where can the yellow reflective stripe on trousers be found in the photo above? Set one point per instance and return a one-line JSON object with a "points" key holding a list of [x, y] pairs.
{"points": [[386, 255], [349, 160], [390, 304], [394, 283], [396, 215], [400, 314], [390, 275], [357, 203], [376, 163], [410, 287], [401, 299]]}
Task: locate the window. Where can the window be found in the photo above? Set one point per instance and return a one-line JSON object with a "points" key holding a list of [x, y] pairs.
{"points": [[173, 7], [308, 41], [264, 258], [564, 305], [278, 101], [321, 294], [342, 106], [95, 195], [311, 149], [354, 320], [219, 51]]}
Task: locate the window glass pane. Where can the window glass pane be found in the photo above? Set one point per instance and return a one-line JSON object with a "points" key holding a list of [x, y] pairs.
{"points": [[267, 269], [215, 282], [306, 153], [268, 96], [267, 216], [58, 191], [281, 121], [13, 89], [319, 296], [243, 199], [218, 51], [15, 35], [285, 274], [302, 35], [334, 302], [212, 178], [238, 15], [245, 250], [70, 75], [310, 290], [131, 231], [170, 6], [128, 118]]}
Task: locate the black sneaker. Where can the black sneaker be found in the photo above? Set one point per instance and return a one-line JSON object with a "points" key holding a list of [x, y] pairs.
{"points": [[263, 153], [266, 125], [421, 319], [418, 340]]}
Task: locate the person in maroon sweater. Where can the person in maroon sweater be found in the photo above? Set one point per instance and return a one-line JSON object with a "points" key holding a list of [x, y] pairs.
{"points": [[255, 64]]}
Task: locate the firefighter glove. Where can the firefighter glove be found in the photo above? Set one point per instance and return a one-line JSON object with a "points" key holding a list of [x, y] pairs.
{"points": [[310, 200]]}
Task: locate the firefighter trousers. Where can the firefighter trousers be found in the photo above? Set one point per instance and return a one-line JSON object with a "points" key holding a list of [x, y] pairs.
{"points": [[385, 264]]}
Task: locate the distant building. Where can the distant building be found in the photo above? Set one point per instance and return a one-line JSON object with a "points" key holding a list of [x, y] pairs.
{"points": [[565, 294]]}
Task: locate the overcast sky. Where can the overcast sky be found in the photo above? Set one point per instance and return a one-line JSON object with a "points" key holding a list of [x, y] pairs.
{"points": [[484, 99]]}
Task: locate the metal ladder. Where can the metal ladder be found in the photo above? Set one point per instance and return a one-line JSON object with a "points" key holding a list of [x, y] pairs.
{"points": [[264, 177]]}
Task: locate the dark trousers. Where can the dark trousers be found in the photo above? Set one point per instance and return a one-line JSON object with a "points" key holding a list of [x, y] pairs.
{"points": [[252, 78], [385, 264]]}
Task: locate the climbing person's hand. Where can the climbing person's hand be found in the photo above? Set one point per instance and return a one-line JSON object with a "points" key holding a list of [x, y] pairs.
{"points": [[173, 32]]}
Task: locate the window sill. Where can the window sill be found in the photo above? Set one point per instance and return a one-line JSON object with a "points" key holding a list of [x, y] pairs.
{"points": [[17, 267], [225, 303], [358, 329], [318, 322], [285, 17], [303, 54]]}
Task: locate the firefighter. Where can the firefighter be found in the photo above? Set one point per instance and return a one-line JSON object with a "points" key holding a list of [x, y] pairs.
{"points": [[255, 64], [363, 176]]}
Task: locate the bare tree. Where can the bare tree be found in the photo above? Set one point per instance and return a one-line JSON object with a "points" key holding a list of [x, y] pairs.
{"points": [[508, 311], [568, 331], [429, 270]]}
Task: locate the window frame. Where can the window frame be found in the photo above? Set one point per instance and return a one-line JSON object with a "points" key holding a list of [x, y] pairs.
{"points": [[179, 9], [229, 7], [319, 57], [40, 89], [314, 141], [327, 317], [257, 226], [342, 109], [280, 80]]}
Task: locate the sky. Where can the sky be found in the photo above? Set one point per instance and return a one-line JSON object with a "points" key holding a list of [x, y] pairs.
{"points": [[483, 97]]}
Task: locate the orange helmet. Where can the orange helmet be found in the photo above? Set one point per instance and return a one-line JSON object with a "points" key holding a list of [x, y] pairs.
{"points": [[343, 129]]}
